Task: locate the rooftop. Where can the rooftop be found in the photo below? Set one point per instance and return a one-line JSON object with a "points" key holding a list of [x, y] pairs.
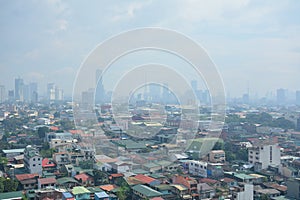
{"points": [[21, 177], [146, 191], [8, 151], [80, 190], [44, 181]]}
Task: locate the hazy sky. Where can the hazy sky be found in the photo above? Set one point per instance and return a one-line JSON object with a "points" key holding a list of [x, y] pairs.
{"points": [[250, 41]]}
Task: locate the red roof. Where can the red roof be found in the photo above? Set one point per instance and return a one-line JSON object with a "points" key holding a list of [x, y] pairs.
{"points": [[228, 180], [208, 180], [48, 163], [157, 198], [75, 131], [108, 187], [44, 181], [84, 177], [116, 175], [144, 178], [22, 177], [54, 128]]}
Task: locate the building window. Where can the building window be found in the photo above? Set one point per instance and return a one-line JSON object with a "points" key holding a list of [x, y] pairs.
{"points": [[33, 165]]}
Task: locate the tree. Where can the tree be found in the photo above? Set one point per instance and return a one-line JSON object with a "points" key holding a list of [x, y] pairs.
{"points": [[218, 146], [3, 162], [42, 131], [8, 185], [47, 153], [100, 177], [124, 192]]}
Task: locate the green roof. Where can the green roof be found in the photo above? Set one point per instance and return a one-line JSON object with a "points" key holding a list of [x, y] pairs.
{"points": [[150, 165], [243, 176], [10, 195], [64, 180], [80, 190], [130, 144], [163, 187], [146, 191], [164, 163], [156, 176], [94, 189], [140, 171]]}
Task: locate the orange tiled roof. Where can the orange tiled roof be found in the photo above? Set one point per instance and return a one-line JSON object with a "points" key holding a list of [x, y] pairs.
{"points": [[22, 177], [108, 187], [144, 178], [84, 177]]}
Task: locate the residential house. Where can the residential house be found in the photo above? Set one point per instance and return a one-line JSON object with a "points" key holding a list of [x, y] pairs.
{"points": [[101, 196], [67, 196], [181, 191], [216, 156], [33, 160], [293, 188], [120, 167], [27, 181], [145, 192], [84, 179], [81, 193], [147, 180], [205, 191], [48, 165], [188, 182], [46, 182]]}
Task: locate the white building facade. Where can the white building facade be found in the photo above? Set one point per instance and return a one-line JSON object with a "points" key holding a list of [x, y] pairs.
{"points": [[262, 156], [33, 160]]}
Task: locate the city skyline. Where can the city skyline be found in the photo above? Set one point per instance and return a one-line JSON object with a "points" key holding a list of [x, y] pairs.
{"points": [[257, 48]]}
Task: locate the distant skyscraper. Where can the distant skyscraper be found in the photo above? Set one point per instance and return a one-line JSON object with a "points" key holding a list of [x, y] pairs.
{"points": [[51, 91], [281, 96], [100, 92], [87, 98], [2, 93], [33, 92], [59, 94], [19, 86], [11, 95], [298, 97], [155, 92]]}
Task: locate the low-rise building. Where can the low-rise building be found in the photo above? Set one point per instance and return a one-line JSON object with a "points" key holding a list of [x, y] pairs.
{"points": [[46, 183], [27, 181], [145, 192], [217, 156], [33, 160]]}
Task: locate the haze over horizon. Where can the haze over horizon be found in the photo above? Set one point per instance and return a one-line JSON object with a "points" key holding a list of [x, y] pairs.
{"points": [[254, 44]]}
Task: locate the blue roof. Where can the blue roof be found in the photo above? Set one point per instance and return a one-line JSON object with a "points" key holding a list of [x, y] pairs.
{"points": [[67, 195], [101, 195]]}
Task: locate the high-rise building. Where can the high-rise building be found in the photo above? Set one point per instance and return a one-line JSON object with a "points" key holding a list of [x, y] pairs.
{"points": [[281, 96], [100, 92], [54, 93], [51, 91], [59, 94], [155, 93], [19, 86], [26, 93], [33, 92], [2, 93], [87, 98], [11, 95]]}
